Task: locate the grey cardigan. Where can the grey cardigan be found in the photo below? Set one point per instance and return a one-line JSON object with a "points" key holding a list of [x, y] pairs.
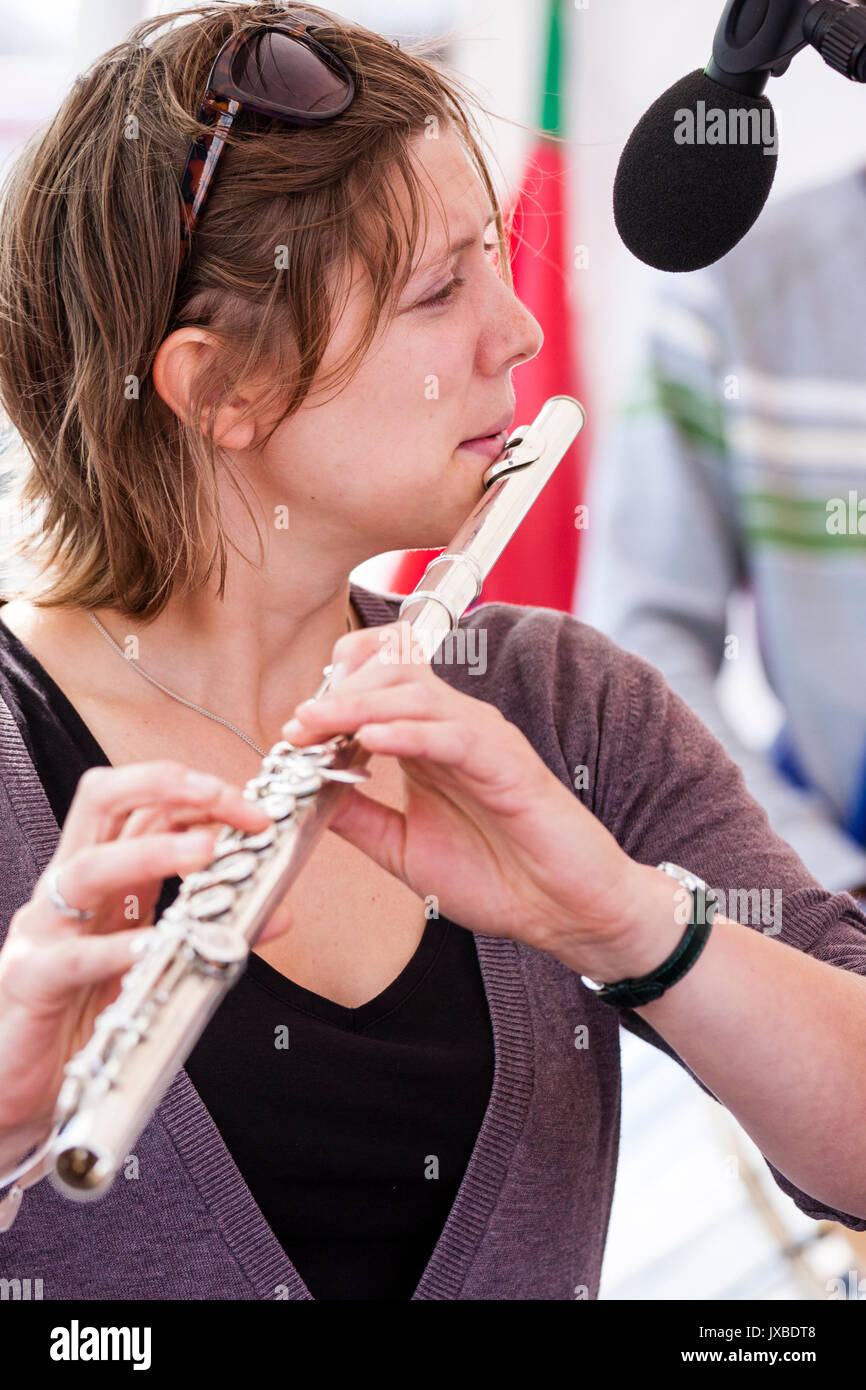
{"points": [[531, 1215]]}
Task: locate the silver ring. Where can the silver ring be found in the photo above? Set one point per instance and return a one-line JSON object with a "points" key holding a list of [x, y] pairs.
{"points": [[57, 900]]}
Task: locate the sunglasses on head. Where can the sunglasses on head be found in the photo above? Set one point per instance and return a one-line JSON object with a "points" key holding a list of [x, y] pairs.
{"points": [[280, 71]]}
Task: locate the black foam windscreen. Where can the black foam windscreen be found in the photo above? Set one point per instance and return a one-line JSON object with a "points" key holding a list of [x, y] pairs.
{"points": [[680, 206]]}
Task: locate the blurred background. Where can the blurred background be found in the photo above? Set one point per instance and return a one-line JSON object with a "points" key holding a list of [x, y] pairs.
{"points": [[696, 1214]]}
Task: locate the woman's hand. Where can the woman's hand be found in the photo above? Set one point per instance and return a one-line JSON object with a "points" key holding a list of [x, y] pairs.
{"points": [[128, 828], [504, 846]]}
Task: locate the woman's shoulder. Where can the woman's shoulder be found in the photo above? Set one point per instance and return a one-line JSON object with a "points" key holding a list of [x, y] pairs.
{"points": [[33, 710], [513, 622], [538, 644], [12, 652], [19, 669], [570, 688]]}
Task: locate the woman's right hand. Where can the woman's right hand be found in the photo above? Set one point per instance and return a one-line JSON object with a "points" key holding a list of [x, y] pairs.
{"points": [[128, 829]]}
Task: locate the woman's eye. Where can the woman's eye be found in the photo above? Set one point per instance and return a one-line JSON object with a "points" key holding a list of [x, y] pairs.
{"points": [[444, 295], [490, 249]]}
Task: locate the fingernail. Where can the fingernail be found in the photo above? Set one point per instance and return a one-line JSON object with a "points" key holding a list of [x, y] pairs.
{"points": [[340, 671], [293, 728]]}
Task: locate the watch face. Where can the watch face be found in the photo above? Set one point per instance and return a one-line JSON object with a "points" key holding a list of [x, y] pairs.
{"points": [[682, 875], [591, 984]]}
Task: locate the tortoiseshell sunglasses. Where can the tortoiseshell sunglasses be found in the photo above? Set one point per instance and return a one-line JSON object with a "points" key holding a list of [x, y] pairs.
{"points": [[279, 71]]}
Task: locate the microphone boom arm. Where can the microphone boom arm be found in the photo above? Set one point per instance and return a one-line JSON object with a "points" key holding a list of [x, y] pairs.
{"points": [[757, 39]]}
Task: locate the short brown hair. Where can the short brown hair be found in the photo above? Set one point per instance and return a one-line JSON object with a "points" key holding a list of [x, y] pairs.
{"points": [[89, 232]]}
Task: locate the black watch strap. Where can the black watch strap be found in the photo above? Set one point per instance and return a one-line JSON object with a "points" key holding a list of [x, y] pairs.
{"points": [[631, 994]]}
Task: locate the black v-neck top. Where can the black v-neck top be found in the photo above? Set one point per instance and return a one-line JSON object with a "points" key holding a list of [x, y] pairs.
{"points": [[352, 1128]]}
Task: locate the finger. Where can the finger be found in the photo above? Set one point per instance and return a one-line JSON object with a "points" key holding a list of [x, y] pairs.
{"points": [[226, 805], [393, 644], [246, 815], [447, 743], [346, 709], [136, 905], [394, 666], [105, 796], [38, 977], [377, 830], [95, 872], [486, 765]]}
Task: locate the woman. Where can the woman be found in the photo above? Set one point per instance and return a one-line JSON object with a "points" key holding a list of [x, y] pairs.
{"points": [[411, 1093]]}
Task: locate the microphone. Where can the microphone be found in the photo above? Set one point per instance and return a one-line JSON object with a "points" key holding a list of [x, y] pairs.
{"points": [[681, 206], [697, 169]]}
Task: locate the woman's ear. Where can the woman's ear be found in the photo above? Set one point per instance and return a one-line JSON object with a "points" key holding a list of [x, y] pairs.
{"points": [[178, 361]]}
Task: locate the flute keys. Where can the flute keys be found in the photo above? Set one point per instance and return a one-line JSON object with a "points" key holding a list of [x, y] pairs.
{"points": [[255, 788], [280, 754], [210, 902], [278, 807], [239, 840], [289, 774], [229, 868], [298, 781], [322, 752], [233, 868], [280, 751], [335, 774], [217, 944], [258, 842], [280, 786], [286, 753]]}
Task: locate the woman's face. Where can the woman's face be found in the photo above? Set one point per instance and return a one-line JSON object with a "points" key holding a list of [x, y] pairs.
{"points": [[379, 466]]}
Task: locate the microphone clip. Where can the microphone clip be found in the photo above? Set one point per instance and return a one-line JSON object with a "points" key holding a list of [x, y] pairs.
{"points": [[757, 39]]}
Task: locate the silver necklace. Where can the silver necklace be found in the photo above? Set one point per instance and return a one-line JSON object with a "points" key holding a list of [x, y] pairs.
{"points": [[190, 704]]}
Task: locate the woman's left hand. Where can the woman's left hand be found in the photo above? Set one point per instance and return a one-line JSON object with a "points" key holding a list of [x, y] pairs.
{"points": [[488, 828]]}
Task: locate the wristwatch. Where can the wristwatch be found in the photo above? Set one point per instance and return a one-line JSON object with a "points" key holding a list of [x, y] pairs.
{"points": [[630, 994]]}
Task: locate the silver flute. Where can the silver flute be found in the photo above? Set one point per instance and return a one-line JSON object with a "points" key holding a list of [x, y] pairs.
{"points": [[140, 1041]]}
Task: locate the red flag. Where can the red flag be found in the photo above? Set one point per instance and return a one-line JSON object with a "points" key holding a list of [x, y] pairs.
{"points": [[539, 564]]}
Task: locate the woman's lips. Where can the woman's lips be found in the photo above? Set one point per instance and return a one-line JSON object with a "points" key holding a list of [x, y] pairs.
{"points": [[489, 446]]}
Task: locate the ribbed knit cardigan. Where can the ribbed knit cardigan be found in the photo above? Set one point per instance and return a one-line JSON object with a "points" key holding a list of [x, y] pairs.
{"points": [[531, 1215]]}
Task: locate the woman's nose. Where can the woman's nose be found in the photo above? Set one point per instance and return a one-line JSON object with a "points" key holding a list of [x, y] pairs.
{"points": [[533, 331], [515, 335]]}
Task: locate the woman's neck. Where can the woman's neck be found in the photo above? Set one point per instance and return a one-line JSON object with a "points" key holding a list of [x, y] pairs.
{"points": [[250, 661]]}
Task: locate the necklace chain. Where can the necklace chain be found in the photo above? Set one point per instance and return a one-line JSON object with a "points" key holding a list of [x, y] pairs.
{"points": [[190, 704]]}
